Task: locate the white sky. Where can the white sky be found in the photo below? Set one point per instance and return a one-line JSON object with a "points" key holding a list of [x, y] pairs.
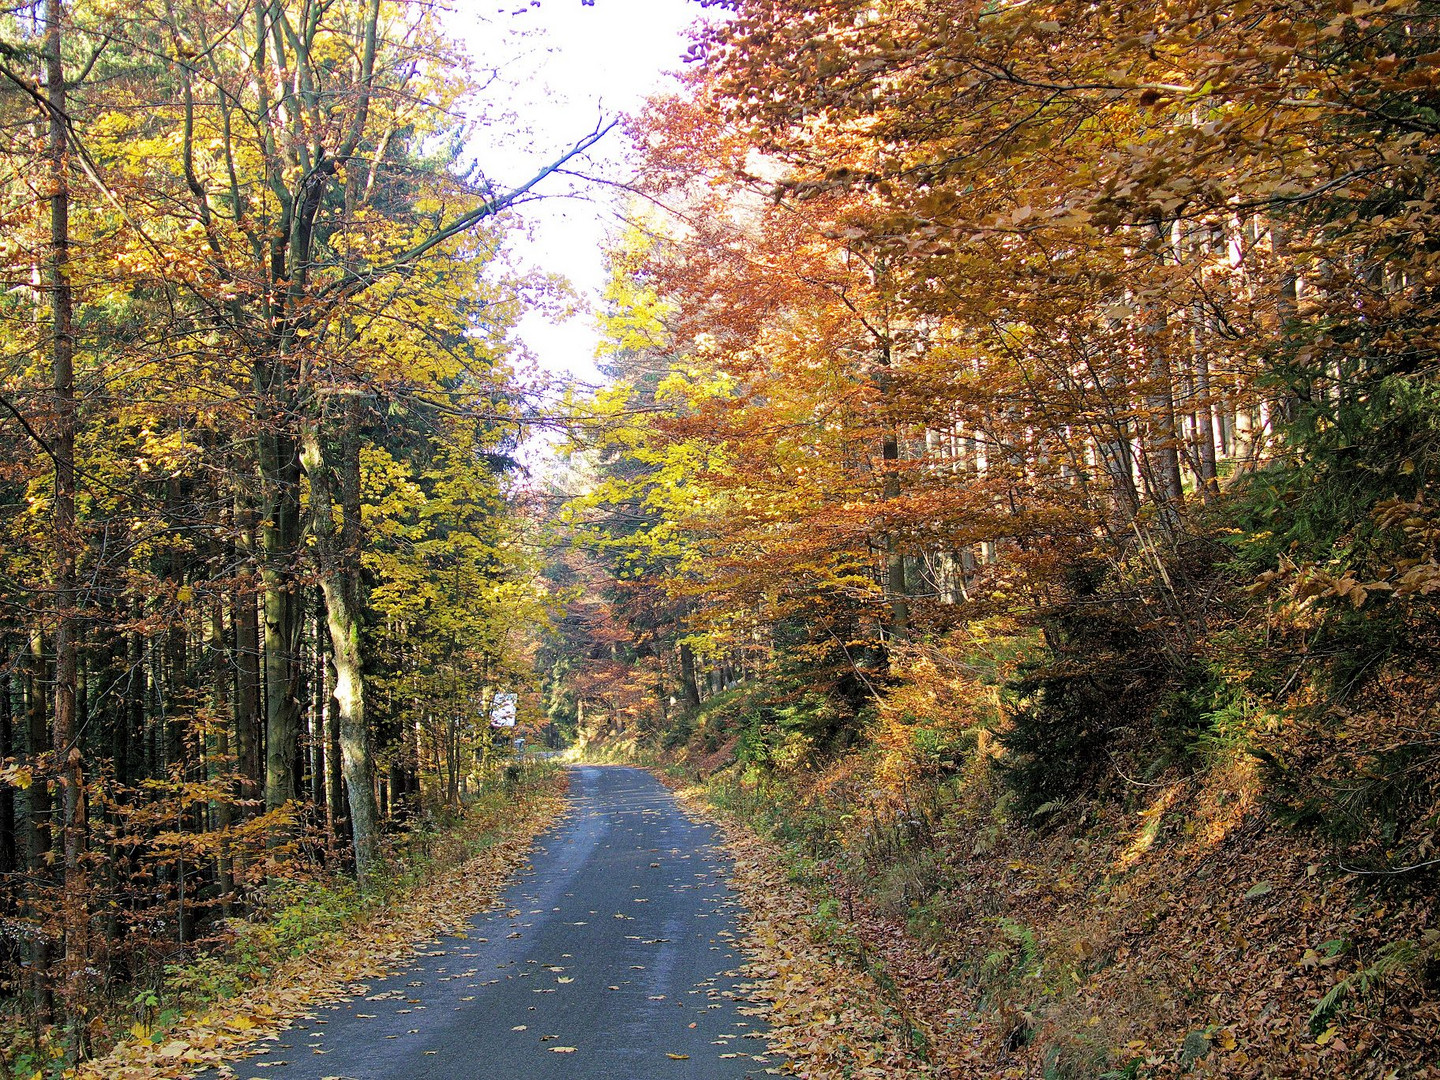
{"points": [[562, 65]]}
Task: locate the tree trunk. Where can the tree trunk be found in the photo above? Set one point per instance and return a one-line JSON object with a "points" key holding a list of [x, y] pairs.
{"points": [[1205, 427], [339, 813], [179, 696], [319, 791], [339, 557], [1287, 306], [70, 778], [1203, 333], [246, 621], [896, 587], [38, 832], [220, 706], [135, 688], [689, 689], [1162, 446], [1160, 449], [280, 537], [8, 851]]}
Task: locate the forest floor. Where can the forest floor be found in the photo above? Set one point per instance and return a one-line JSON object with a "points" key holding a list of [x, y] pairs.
{"points": [[495, 838], [1187, 936]]}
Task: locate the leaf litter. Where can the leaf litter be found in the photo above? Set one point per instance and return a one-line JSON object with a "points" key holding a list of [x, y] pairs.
{"points": [[369, 949], [826, 1018]]}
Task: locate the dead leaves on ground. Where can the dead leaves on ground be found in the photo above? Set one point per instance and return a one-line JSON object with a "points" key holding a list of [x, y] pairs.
{"points": [[1206, 956], [827, 1018]]}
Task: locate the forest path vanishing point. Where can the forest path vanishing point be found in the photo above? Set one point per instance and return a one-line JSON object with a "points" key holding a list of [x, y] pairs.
{"points": [[613, 954]]}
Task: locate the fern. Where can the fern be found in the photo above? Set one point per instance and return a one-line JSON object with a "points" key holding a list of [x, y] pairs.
{"points": [[1397, 958]]}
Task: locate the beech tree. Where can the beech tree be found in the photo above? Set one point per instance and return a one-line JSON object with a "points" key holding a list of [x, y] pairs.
{"points": [[987, 313], [251, 288]]}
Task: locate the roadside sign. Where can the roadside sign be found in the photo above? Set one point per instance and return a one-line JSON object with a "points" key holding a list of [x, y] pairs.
{"points": [[502, 710]]}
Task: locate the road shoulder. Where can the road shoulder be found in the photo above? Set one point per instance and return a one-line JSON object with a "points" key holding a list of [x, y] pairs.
{"points": [[830, 1017], [372, 947]]}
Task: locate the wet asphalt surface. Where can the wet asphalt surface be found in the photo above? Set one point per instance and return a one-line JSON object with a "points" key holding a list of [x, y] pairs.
{"points": [[614, 950]]}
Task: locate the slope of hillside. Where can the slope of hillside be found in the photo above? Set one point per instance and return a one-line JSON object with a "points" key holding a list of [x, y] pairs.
{"points": [[1181, 929]]}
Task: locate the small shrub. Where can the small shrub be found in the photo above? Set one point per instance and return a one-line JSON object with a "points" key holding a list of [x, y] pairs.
{"points": [[1014, 957], [1072, 711]]}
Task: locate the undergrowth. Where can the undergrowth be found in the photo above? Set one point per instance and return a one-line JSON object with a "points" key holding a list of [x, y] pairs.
{"points": [[1164, 923], [294, 918]]}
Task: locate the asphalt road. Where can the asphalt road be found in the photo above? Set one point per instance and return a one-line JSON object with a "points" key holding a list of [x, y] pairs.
{"points": [[613, 956]]}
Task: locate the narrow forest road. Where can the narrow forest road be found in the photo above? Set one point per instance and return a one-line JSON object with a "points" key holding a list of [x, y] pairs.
{"points": [[611, 956]]}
